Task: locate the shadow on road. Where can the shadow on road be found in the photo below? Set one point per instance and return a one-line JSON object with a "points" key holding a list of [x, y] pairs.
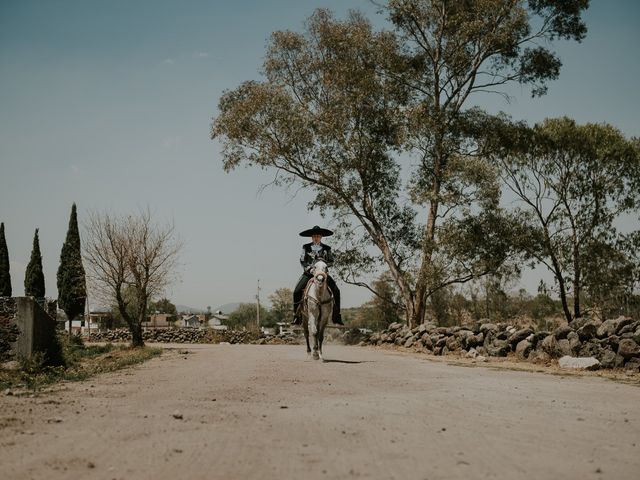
{"points": [[325, 360]]}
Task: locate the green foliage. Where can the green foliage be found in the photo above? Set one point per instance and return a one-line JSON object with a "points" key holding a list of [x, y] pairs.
{"points": [[340, 101], [5, 275], [34, 277], [281, 306], [162, 305], [573, 182], [72, 292], [245, 317]]}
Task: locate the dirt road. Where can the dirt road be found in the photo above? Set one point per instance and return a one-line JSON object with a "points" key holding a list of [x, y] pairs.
{"points": [[266, 412]]}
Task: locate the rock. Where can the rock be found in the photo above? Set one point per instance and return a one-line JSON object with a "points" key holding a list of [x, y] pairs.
{"points": [[523, 349], [574, 342], [486, 327], [8, 392], [538, 337], [539, 356], [177, 415], [591, 348], [409, 342], [609, 327], [622, 323], [498, 348], [565, 347], [628, 348], [588, 331], [562, 332], [579, 363], [551, 347], [611, 360], [632, 365], [626, 329], [519, 335], [452, 344], [480, 358], [395, 326], [472, 353], [612, 342], [579, 322]]}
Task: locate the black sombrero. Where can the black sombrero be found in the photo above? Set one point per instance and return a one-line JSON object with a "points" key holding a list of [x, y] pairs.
{"points": [[316, 230]]}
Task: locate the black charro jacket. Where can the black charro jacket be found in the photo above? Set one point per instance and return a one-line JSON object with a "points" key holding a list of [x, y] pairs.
{"points": [[307, 258]]}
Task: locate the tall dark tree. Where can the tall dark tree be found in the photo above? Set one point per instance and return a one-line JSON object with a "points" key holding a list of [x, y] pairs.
{"points": [[5, 276], [72, 290], [33, 277]]}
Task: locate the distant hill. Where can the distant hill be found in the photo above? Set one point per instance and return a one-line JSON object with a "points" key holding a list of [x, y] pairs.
{"points": [[227, 308], [188, 309]]}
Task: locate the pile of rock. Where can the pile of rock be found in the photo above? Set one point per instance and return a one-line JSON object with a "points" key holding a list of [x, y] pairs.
{"points": [[613, 343], [193, 335]]}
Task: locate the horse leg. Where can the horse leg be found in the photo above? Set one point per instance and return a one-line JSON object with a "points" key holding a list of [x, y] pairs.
{"points": [[313, 327], [305, 327]]}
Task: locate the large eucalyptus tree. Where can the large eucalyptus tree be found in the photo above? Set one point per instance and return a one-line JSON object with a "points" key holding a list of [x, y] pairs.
{"points": [[379, 126]]}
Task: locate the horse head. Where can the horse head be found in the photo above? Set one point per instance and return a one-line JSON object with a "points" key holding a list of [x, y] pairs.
{"points": [[320, 271]]}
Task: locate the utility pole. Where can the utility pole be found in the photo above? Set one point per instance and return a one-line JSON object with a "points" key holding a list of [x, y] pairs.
{"points": [[258, 306]]}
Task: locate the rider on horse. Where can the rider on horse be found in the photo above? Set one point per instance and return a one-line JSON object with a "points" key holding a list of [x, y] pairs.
{"points": [[310, 253]]}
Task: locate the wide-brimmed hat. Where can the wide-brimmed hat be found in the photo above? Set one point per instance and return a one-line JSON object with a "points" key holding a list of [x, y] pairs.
{"points": [[316, 230]]}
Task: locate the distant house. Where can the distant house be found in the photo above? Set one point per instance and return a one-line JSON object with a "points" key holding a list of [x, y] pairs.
{"points": [[159, 320], [216, 320], [190, 321]]}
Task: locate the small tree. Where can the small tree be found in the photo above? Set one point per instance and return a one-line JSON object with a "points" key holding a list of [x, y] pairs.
{"points": [[34, 277], [573, 183], [72, 290], [5, 276], [245, 316], [281, 305], [130, 260]]}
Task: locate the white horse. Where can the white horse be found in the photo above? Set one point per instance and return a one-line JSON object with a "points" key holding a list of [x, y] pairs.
{"points": [[318, 306]]}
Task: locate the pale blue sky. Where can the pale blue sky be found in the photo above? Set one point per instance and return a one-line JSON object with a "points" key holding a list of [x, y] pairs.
{"points": [[108, 104]]}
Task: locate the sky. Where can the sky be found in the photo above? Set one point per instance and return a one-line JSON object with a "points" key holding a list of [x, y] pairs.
{"points": [[109, 105]]}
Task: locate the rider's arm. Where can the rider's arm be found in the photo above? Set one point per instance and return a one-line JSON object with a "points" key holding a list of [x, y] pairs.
{"points": [[329, 257], [305, 260]]}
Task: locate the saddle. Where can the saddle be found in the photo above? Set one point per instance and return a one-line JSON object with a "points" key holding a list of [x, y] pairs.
{"points": [[302, 310]]}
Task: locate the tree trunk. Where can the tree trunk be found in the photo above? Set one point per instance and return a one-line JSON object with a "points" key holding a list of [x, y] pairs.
{"points": [[427, 253], [557, 271], [576, 282], [136, 335]]}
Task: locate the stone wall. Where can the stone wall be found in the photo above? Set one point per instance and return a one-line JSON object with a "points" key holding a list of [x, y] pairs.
{"points": [[613, 343], [26, 328], [8, 330], [193, 335]]}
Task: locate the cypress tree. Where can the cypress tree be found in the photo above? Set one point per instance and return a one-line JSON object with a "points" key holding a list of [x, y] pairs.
{"points": [[5, 276], [72, 291], [33, 277]]}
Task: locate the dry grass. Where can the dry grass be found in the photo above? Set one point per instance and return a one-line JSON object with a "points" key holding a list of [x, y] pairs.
{"points": [[82, 362]]}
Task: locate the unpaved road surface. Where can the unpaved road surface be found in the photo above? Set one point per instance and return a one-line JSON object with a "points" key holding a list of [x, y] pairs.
{"points": [[265, 412]]}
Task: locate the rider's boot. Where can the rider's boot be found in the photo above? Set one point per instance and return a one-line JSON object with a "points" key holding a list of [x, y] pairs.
{"points": [[297, 319], [337, 319]]}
